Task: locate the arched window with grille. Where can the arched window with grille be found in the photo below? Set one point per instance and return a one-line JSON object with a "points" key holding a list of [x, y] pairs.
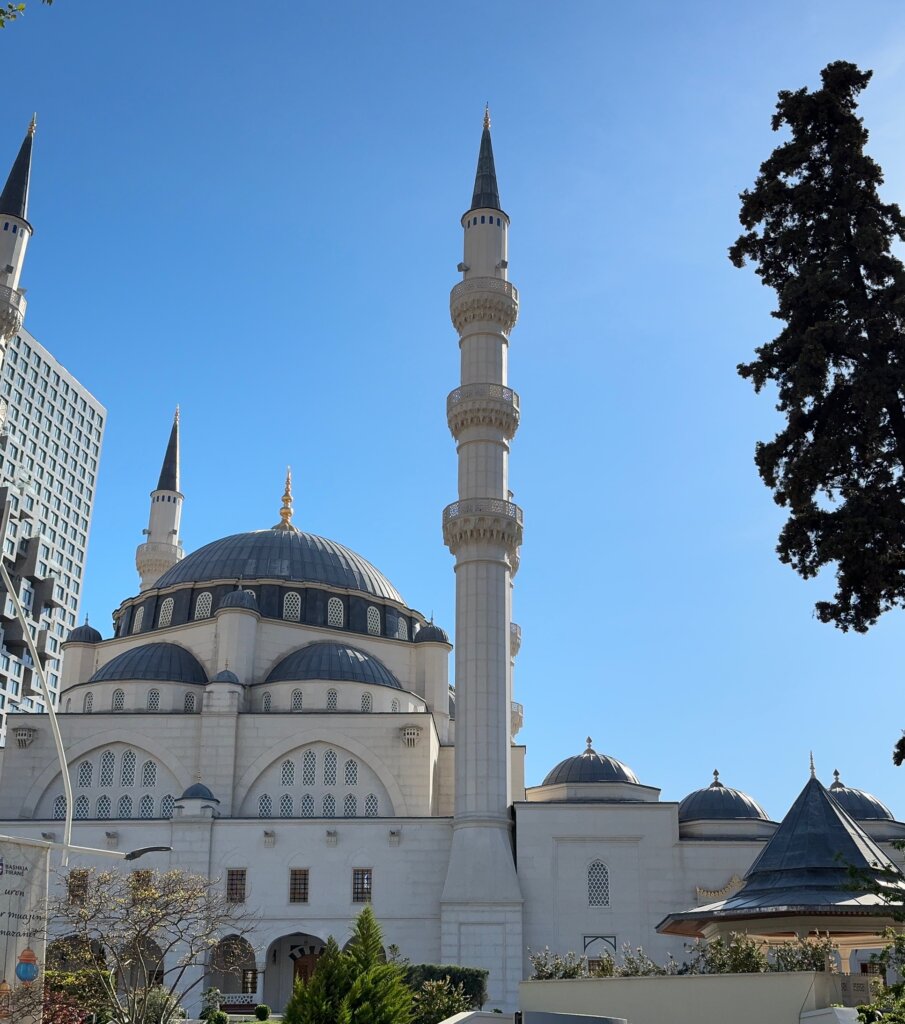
{"points": [[138, 620], [266, 703], [330, 768], [166, 613], [59, 808], [371, 806], [203, 605], [598, 884], [86, 774], [265, 806], [108, 768], [153, 700], [351, 773], [103, 806], [329, 806], [119, 700], [167, 806], [287, 773], [309, 765], [297, 700], [149, 774], [88, 703], [307, 806], [332, 700], [188, 703], [402, 629], [367, 703], [125, 806], [335, 616], [81, 807], [394, 705], [292, 606], [373, 620], [127, 774], [146, 807], [286, 806], [350, 806]]}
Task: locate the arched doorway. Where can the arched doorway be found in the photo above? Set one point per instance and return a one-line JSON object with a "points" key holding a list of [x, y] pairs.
{"points": [[235, 972], [289, 958]]}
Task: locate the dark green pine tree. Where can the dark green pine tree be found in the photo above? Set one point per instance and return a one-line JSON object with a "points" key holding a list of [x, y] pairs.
{"points": [[380, 996], [819, 235], [365, 948], [320, 1000]]}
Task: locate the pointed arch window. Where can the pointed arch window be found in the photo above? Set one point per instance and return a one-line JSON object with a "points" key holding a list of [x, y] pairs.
{"points": [[103, 806], [146, 807], [330, 768], [265, 806], [108, 767], [598, 884], [373, 621], [309, 766], [149, 774], [59, 808], [88, 703], [292, 606], [371, 806], [125, 806], [329, 806], [297, 700], [266, 703], [350, 806], [138, 620], [287, 773], [203, 605], [367, 703], [351, 773], [119, 700], [153, 700], [402, 629], [81, 808], [86, 774], [335, 614], [188, 704], [128, 768], [307, 807], [167, 806], [332, 700], [286, 806]]}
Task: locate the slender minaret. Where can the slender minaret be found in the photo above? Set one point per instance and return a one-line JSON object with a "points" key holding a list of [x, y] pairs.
{"points": [[163, 548], [15, 232], [481, 902]]}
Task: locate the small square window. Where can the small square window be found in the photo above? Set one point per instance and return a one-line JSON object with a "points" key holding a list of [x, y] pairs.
{"points": [[361, 885], [235, 885], [298, 885]]}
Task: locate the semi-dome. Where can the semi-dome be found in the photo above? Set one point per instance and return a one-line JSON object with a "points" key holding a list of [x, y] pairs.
{"points": [[589, 766], [159, 662], [84, 634], [431, 634], [239, 599], [333, 661], [718, 802], [283, 554], [859, 805]]}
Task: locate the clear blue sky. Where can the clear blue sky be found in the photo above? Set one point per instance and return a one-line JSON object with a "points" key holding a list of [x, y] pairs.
{"points": [[252, 210]]}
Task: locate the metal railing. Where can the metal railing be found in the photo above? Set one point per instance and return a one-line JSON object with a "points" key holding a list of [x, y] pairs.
{"points": [[469, 392], [483, 506]]}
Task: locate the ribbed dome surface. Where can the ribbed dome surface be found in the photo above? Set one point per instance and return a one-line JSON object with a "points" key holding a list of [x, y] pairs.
{"points": [[720, 803], [198, 791], [225, 676], [282, 555], [335, 662], [860, 805], [84, 635], [160, 662], [239, 599], [431, 634], [589, 766]]}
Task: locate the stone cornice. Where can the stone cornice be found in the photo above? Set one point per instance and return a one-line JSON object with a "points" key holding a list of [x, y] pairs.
{"points": [[484, 300], [484, 405]]}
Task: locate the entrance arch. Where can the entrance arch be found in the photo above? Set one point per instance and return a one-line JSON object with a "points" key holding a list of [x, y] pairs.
{"points": [[234, 972], [290, 957]]}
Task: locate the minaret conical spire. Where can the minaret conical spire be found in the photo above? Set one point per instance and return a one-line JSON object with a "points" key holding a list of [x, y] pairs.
{"points": [[163, 549], [169, 471], [486, 192], [14, 198]]}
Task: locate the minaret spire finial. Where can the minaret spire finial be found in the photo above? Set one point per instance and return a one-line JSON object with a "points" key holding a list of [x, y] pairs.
{"points": [[32, 128], [487, 116], [813, 770], [285, 522]]}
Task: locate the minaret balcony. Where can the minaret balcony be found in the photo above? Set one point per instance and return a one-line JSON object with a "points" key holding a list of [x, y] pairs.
{"points": [[483, 521], [483, 405], [515, 638], [484, 300], [12, 311]]}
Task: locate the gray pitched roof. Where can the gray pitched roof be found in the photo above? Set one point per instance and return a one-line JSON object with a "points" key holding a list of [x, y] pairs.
{"points": [[14, 198], [169, 471], [486, 193]]}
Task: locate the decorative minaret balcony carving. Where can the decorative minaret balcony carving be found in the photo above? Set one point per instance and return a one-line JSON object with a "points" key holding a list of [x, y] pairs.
{"points": [[12, 313], [515, 638], [488, 300], [483, 405], [482, 520]]}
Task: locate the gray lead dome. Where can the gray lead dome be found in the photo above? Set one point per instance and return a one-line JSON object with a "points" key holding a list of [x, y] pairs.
{"points": [[858, 804], [84, 634], [333, 661], [720, 803], [589, 766], [158, 662]]}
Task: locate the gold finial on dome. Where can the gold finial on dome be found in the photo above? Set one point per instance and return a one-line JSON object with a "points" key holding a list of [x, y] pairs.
{"points": [[487, 115], [285, 522]]}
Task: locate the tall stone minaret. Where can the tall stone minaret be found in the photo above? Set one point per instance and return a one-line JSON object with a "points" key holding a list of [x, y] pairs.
{"points": [[15, 232], [481, 903], [163, 548]]}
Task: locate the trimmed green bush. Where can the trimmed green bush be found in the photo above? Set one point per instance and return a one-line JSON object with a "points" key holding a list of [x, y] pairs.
{"points": [[472, 979], [262, 1011]]}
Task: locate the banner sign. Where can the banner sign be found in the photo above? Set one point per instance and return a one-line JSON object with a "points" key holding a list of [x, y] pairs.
{"points": [[23, 929]]}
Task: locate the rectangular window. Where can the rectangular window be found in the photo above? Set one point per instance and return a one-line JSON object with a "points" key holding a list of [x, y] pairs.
{"points": [[361, 885], [298, 885], [235, 885]]}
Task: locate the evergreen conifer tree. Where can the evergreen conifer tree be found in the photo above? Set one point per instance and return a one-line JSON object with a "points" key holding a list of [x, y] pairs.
{"points": [[319, 1000]]}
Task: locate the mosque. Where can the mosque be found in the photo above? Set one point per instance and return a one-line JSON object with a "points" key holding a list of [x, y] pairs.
{"points": [[275, 711]]}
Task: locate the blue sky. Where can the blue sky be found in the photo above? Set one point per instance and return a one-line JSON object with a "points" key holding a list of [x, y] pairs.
{"points": [[252, 210]]}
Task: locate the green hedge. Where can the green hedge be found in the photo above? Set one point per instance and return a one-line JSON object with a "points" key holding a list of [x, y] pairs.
{"points": [[472, 979]]}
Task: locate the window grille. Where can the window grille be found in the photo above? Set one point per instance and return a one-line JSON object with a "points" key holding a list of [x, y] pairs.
{"points": [[367, 702], [331, 700], [146, 807], [292, 606], [166, 613], [188, 703], [287, 773], [153, 700], [373, 621], [167, 806], [309, 764], [329, 806], [285, 806], [235, 885], [203, 606], [125, 806], [351, 773], [598, 885], [103, 807], [149, 774], [361, 885], [307, 808], [265, 703], [128, 768], [265, 806], [137, 621], [59, 808], [350, 806], [298, 885], [81, 807], [88, 704], [402, 629], [371, 806], [330, 768], [297, 700], [108, 765], [334, 612], [411, 735], [394, 705], [119, 700], [86, 774]]}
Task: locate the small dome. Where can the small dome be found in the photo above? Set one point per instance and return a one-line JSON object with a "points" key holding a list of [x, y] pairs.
{"points": [[589, 766], [198, 791], [239, 599], [431, 634], [720, 803], [159, 662], [858, 804], [333, 661], [84, 635], [225, 677]]}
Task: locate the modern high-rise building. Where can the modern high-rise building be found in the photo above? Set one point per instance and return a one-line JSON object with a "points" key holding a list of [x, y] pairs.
{"points": [[50, 444]]}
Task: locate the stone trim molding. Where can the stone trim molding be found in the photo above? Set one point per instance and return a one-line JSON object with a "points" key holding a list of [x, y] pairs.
{"points": [[473, 520], [483, 405], [712, 895], [484, 300]]}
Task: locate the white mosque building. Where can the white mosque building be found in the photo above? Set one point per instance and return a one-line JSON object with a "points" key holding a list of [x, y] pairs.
{"points": [[276, 712]]}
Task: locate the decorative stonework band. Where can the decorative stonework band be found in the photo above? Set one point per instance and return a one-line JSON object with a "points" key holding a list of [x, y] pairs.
{"points": [[483, 405], [12, 312], [484, 300], [711, 895], [473, 520]]}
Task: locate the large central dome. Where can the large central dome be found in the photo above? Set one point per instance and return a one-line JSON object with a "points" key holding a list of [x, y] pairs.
{"points": [[283, 555]]}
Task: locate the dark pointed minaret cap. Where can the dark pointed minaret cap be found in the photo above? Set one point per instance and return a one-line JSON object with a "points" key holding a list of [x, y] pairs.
{"points": [[14, 198], [486, 193], [169, 472]]}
